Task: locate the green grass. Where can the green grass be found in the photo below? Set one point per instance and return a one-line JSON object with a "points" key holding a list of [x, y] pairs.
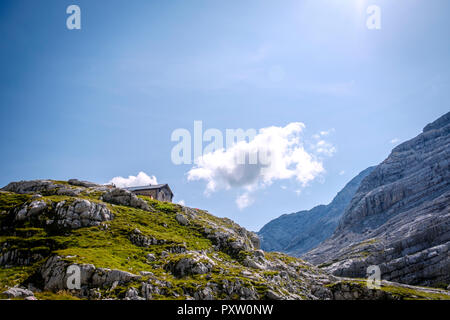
{"points": [[401, 293], [10, 277], [113, 249], [10, 200], [324, 265], [110, 248], [412, 294], [60, 295]]}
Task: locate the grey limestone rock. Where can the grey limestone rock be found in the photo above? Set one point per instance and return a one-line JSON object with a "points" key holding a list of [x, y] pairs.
{"points": [[55, 275], [81, 213], [32, 186], [80, 183], [181, 219], [125, 198], [399, 218], [17, 292]]}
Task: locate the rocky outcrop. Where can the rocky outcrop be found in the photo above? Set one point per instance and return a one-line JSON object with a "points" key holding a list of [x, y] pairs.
{"points": [[81, 213], [17, 257], [399, 219], [125, 198], [55, 275], [32, 186], [17, 292], [30, 211], [229, 240], [140, 240], [299, 232], [74, 214], [81, 183], [191, 263], [181, 219], [227, 235], [47, 187], [283, 278]]}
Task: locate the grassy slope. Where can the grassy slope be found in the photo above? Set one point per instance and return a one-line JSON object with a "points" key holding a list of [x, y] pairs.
{"points": [[108, 246]]}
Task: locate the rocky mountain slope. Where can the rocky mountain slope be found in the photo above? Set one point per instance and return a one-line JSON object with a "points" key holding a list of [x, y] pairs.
{"points": [[129, 247], [299, 232], [399, 218]]}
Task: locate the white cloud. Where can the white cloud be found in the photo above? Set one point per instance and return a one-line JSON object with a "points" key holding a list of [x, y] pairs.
{"points": [[298, 192], [244, 200], [341, 173], [181, 202], [324, 147], [287, 159], [395, 140], [321, 146], [142, 179], [325, 133]]}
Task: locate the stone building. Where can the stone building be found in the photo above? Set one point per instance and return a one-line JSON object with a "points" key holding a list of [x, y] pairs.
{"points": [[159, 192]]}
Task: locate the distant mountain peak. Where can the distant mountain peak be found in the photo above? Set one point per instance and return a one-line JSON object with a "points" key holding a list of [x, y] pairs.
{"points": [[399, 217], [298, 232]]}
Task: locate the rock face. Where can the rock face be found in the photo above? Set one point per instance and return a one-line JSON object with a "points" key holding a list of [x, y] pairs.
{"points": [[192, 263], [231, 238], [125, 198], [299, 232], [18, 292], [81, 213], [182, 219], [399, 219], [33, 186], [49, 187], [80, 183], [77, 214], [55, 275]]}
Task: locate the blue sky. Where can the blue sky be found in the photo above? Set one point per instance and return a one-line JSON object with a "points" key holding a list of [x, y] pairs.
{"points": [[102, 101]]}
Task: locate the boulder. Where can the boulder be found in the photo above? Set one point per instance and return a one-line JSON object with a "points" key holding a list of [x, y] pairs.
{"points": [[35, 208], [76, 214], [133, 294], [33, 186], [17, 292], [55, 275], [271, 295], [125, 198], [194, 263], [181, 219], [86, 184], [140, 240], [150, 257], [81, 213]]}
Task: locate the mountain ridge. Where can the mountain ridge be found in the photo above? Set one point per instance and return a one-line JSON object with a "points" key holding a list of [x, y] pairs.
{"points": [[399, 217], [298, 232]]}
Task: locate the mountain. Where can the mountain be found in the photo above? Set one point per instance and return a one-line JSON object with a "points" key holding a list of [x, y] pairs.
{"points": [[79, 240], [399, 219], [299, 232]]}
